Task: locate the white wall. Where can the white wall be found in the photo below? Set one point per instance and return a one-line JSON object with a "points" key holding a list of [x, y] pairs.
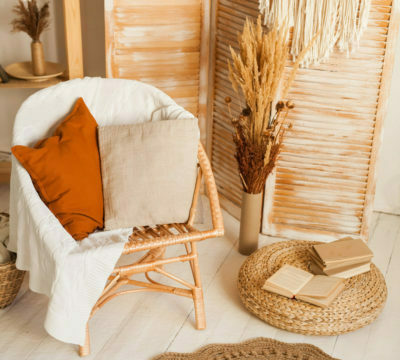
{"points": [[387, 196], [16, 47]]}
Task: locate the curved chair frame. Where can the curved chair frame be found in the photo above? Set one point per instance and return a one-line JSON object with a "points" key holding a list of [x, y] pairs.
{"points": [[154, 240]]}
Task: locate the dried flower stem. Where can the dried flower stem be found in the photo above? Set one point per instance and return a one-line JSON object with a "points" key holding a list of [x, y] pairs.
{"points": [[256, 72]]}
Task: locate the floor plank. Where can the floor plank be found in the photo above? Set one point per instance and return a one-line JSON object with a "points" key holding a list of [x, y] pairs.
{"points": [[383, 239], [173, 313], [21, 328], [384, 338], [139, 326]]}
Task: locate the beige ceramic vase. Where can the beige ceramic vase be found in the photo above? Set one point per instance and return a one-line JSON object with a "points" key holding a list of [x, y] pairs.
{"points": [[250, 221], [38, 63]]}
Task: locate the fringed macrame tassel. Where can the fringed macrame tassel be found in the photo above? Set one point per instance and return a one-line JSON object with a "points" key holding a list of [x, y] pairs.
{"points": [[338, 22]]}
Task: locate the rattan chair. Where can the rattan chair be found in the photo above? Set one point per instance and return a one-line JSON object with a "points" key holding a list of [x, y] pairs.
{"points": [[154, 240], [113, 101]]}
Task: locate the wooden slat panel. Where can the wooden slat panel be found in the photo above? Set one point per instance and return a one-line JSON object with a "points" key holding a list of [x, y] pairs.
{"points": [[163, 43], [321, 187], [222, 149]]}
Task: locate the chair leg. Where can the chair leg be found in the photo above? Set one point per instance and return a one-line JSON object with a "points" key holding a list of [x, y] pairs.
{"points": [[154, 254], [199, 308], [161, 256], [198, 292], [84, 350]]}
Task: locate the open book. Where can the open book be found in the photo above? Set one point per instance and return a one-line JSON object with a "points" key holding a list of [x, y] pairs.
{"points": [[295, 283]]}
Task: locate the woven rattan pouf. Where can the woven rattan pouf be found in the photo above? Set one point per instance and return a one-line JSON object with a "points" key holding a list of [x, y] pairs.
{"points": [[358, 305]]}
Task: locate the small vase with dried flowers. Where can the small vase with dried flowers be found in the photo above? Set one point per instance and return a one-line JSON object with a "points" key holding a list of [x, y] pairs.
{"points": [[33, 20], [256, 73]]}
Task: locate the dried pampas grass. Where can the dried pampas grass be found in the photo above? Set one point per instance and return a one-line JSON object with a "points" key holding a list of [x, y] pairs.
{"points": [[31, 18], [256, 72]]}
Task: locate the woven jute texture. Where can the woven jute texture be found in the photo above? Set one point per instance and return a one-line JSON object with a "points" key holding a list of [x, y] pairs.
{"points": [[10, 278], [10, 282], [359, 304], [260, 348]]}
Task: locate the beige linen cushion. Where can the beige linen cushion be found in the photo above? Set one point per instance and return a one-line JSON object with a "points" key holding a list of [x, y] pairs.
{"points": [[148, 171]]}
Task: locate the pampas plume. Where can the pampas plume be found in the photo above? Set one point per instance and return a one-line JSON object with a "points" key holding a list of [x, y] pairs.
{"points": [[31, 18]]}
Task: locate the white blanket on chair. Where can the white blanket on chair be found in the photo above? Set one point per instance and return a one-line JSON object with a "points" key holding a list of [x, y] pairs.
{"points": [[72, 274]]}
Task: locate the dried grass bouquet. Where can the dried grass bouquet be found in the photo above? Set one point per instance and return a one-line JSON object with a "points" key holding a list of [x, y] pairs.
{"points": [[256, 72], [31, 18]]}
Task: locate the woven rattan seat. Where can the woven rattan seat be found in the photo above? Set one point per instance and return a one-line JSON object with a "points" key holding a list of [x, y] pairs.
{"points": [[147, 237]]}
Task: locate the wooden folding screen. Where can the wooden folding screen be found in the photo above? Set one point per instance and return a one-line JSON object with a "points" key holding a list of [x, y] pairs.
{"points": [[163, 43], [324, 182]]}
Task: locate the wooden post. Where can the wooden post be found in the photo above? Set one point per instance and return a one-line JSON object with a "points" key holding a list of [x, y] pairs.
{"points": [[73, 38], [84, 350], [204, 68], [381, 110], [197, 291], [211, 70]]}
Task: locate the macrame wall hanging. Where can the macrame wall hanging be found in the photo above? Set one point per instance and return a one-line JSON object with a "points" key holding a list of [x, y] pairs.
{"points": [[339, 23]]}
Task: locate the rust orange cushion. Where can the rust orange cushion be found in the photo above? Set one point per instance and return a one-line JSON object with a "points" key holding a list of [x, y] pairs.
{"points": [[65, 169]]}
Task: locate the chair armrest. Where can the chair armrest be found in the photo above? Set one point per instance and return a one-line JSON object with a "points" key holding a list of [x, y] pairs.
{"points": [[211, 188]]}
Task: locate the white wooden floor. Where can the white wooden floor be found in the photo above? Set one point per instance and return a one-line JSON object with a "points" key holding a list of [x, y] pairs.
{"points": [[140, 326]]}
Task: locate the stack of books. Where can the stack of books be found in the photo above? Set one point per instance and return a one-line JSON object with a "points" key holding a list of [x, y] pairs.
{"points": [[298, 284], [343, 258]]}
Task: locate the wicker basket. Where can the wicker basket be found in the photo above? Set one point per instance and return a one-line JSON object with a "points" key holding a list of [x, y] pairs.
{"points": [[10, 281]]}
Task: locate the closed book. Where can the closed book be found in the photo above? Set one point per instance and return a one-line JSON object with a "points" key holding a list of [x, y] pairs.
{"points": [[316, 269], [343, 251], [344, 273], [336, 267], [353, 272]]}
